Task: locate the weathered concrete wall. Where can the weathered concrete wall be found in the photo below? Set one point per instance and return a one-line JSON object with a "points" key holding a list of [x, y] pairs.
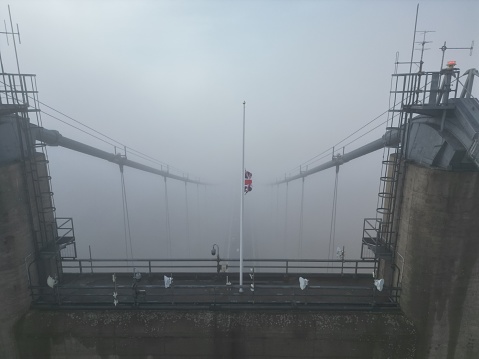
{"points": [[439, 241], [16, 243], [214, 334], [44, 222]]}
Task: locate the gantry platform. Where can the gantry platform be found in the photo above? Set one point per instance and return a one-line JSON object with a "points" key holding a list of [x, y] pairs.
{"points": [[267, 284]]}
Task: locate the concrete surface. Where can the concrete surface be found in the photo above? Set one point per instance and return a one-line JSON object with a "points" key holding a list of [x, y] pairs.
{"points": [[439, 241], [215, 334]]}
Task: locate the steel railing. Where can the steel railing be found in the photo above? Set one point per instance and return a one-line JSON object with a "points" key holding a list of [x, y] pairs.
{"points": [[286, 266], [200, 283]]}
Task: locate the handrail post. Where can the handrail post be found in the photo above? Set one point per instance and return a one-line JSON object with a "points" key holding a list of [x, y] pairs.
{"points": [[81, 269], [149, 267]]}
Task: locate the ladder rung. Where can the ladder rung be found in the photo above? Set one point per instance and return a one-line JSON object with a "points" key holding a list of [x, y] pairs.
{"points": [[383, 210], [388, 179], [386, 195]]}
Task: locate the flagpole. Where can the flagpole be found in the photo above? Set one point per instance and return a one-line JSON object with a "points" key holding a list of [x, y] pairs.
{"points": [[242, 205]]}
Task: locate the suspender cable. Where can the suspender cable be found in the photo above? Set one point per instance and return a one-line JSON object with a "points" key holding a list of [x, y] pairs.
{"points": [[300, 249], [272, 207], [276, 224], [199, 211], [332, 232], [286, 220], [167, 219], [187, 220], [126, 217], [273, 211]]}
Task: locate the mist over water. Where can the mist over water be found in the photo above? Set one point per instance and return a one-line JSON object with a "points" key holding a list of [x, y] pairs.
{"points": [[202, 215]]}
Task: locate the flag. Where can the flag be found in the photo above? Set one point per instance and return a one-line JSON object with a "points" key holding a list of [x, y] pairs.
{"points": [[248, 182]]}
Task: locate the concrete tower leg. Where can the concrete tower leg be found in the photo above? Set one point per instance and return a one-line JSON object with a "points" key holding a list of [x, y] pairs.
{"points": [[16, 252], [439, 241]]}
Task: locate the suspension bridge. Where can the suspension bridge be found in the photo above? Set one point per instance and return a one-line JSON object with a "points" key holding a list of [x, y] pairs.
{"points": [[57, 276], [432, 125]]}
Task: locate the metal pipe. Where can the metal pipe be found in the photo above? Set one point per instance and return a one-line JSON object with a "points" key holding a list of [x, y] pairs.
{"points": [[243, 171], [54, 138]]}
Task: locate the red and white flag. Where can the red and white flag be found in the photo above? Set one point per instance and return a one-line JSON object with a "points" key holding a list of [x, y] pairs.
{"points": [[248, 182]]}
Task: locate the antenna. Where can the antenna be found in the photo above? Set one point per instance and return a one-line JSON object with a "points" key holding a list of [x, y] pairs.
{"points": [[444, 48], [414, 42], [13, 33], [423, 48], [414, 38]]}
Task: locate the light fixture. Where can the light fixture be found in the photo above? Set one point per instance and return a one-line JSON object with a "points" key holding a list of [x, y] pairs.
{"points": [[217, 252], [136, 275], [379, 283], [213, 250], [168, 281], [451, 64], [51, 282], [303, 283]]}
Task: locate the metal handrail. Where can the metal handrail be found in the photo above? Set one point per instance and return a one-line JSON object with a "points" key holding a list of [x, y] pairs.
{"points": [[283, 265], [198, 285]]}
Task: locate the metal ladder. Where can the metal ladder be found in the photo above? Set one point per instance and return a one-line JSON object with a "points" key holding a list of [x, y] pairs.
{"points": [[379, 238]]}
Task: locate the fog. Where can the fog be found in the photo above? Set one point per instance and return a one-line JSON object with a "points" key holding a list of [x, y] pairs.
{"points": [[168, 78]]}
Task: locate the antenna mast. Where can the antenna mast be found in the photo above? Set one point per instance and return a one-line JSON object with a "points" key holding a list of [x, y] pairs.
{"points": [[444, 48], [13, 33], [423, 43]]}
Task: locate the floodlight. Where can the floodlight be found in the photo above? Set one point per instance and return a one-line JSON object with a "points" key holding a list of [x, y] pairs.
{"points": [[137, 275], [303, 283], [168, 281], [379, 283], [51, 282], [213, 250]]}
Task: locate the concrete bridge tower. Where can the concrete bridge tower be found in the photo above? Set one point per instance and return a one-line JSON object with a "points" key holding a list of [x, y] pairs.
{"points": [[431, 248], [28, 250]]}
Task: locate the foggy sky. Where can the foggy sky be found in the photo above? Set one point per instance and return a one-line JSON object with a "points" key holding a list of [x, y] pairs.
{"points": [[168, 78]]}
